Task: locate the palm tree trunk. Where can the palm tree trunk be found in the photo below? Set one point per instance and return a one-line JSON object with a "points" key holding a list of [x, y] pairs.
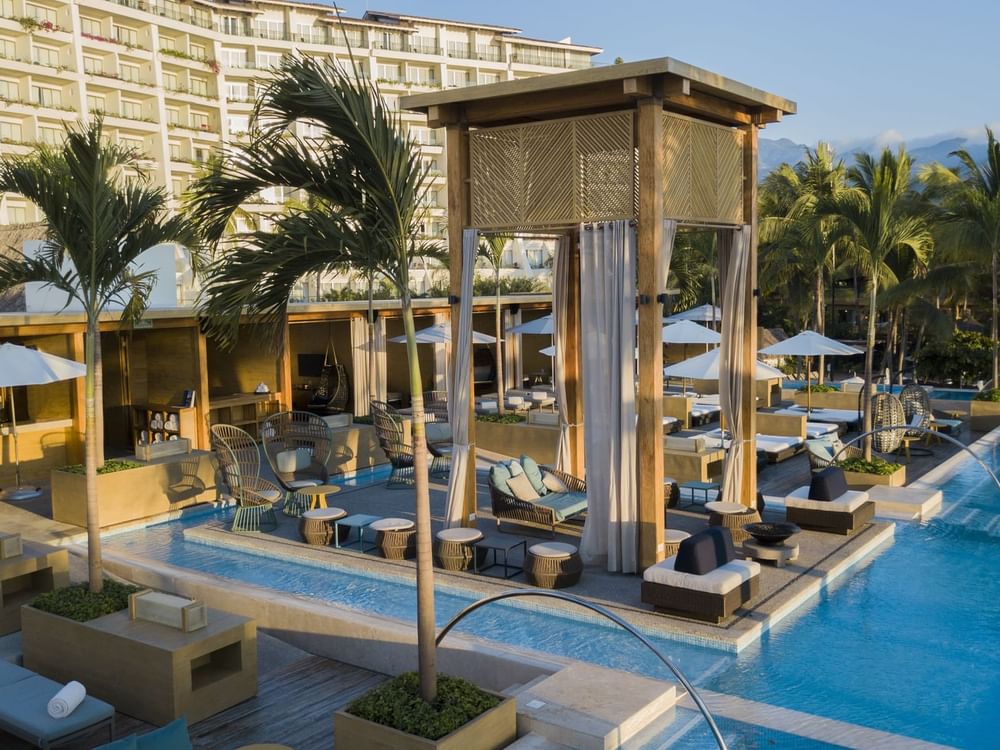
{"points": [[99, 397], [866, 424], [372, 390], [426, 632], [820, 323], [901, 354], [94, 567], [500, 399], [993, 323]]}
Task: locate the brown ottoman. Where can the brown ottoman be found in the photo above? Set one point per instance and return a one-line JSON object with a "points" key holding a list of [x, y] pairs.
{"points": [[553, 565], [316, 526], [455, 548], [732, 516], [395, 537]]}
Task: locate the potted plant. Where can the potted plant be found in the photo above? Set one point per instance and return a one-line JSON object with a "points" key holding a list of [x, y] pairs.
{"points": [[985, 410], [463, 717], [861, 473]]}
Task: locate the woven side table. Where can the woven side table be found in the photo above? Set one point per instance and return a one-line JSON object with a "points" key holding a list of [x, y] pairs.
{"points": [[732, 516], [455, 548], [553, 565], [395, 537], [316, 526], [672, 539]]}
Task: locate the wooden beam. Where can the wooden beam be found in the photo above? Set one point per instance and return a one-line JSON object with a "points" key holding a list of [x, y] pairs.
{"points": [[637, 87], [748, 408], [706, 105], [542, 104], [442, 115], [572, 362], [764, 115], [459, 217], [649, 445], [285, 395], [201, 400], [676, 86]]}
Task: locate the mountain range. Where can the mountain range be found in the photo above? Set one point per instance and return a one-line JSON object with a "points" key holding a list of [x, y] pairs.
{"points": [[774, 152]]}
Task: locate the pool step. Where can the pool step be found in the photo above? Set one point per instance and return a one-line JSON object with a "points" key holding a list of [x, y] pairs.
{"points": [[592, 708], [534, 741], [517, 687]]}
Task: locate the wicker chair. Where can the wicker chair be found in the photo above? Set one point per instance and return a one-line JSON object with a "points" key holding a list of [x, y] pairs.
{"points": [[822, 451], [239, 461], [330, 398], [389, 431], [918, 414], [506, 507], [887, 411], [292, 431], [435, 406]]}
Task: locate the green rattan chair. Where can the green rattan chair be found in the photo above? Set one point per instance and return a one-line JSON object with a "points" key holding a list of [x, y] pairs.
{"points": [[239, 461]]}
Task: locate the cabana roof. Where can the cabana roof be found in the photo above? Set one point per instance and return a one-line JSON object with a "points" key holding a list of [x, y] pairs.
{"points": [[685, 88]]}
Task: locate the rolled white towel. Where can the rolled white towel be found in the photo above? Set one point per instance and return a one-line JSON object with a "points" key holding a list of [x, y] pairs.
{"points": [[66, 700]]}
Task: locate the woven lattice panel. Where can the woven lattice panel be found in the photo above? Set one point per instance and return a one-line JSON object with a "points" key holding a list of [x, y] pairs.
{"points": [[554, 173], [703, 171]]}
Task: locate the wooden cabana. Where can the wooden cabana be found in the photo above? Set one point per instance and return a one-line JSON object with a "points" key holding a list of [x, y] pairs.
{"points": [[644, 142]]}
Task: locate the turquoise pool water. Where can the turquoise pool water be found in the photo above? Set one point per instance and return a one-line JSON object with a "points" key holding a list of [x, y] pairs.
{"points": [[943, 394], [906, 643]]}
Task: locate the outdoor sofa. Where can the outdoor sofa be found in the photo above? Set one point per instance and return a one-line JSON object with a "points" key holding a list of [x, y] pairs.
{"points": [[551, 506], [827, 505]]}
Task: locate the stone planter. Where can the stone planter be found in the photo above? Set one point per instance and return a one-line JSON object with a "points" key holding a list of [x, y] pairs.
{"points": [[158, 486], [492, 730], [985, 415], [541, 442], [857, 480]]}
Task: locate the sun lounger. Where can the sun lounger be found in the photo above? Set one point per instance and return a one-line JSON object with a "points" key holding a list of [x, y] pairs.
{"points": [[777, 448], [815, 430], [549, 508], [846, 417]]}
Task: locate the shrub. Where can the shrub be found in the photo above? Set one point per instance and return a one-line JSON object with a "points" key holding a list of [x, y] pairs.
{"points": [[968, 356], [875, 466], [991, 395], [398, 704], [363, 419], [110, 467], [80, 604], [501, 418], [817, 388]]}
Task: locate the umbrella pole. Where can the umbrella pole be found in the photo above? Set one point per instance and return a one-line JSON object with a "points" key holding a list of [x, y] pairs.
{"points": [[17, 492], [809, 390]]}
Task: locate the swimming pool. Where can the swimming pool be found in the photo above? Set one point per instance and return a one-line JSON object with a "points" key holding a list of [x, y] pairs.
{"points": [[940, 394], [905, 644]]}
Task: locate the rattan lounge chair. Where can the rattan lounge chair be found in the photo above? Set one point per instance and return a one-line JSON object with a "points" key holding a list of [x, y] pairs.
{"points": [[239, 462], [298, 446], [546, 512], [332, 393], [822, 452], [389, 431]]}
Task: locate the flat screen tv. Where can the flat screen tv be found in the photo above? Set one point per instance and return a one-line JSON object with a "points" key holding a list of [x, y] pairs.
{"points": [[311, 365]]}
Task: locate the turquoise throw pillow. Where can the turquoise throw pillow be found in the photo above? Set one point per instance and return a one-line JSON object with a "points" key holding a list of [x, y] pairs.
{"points": [[174, 736], [125, 743], [530, 467], [499, 478]]}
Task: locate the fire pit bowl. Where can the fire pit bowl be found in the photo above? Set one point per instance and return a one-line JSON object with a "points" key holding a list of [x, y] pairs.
{"points": [[771, 534]]}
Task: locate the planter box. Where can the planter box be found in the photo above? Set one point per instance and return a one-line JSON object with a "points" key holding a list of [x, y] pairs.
{"points": [[539, 441], [832, 400], [985, 415], [157, 487], [857, 480], [149, 671], [151, 451], [37, 569], [492, 730]]}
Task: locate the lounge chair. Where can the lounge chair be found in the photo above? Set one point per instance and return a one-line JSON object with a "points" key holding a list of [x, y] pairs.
{"points": [[822, 452], [398, 449], [298, 445], [551, 506], [827, 505], [331, 396], [704, 580], [776, 448], [239, 462]]}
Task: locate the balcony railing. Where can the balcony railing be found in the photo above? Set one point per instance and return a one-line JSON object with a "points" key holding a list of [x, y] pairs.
{"points": [[489, 52], [423, 45]]}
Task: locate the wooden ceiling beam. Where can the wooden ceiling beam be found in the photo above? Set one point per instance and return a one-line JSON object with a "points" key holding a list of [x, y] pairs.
{"points": [[764, 115], [566, 103], [705, 105]]}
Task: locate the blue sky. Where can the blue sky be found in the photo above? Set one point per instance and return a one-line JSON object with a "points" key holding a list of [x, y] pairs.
{"points": [[856, 69]]}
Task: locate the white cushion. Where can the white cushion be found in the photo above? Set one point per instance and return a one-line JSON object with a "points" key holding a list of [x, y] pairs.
{"points": [[272, 496], [391, 524], [553, 483], [522, 489], [552, 549], [487, 405], [325, 514], [674, 536], [722, 580], [717, 506], [297, 484], [819, 429], [691, 445], [460, 534], [669, 420], [777, 443], [846, 503], [515, 400], [288, 462]]}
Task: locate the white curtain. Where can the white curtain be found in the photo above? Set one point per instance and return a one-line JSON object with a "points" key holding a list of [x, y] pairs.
{"points": [[461, 387], [359, 357], [560, 313], [734, 263], [607, 302], [441, 356], [513, 368]]}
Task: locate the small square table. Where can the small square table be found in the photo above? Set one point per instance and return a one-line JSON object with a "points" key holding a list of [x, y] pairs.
{"points": [[705, 488], [500, 543], [359, 521]]}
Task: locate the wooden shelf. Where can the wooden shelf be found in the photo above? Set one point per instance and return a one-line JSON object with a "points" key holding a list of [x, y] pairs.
{"points": [[245, 410], [185, 417]]}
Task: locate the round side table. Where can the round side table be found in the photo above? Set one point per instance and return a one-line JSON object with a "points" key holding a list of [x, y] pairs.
{"points": [[317, 494], [553, 565], [316, 526], [732, 516], [455, 550], [395, 537], [672, 539]]}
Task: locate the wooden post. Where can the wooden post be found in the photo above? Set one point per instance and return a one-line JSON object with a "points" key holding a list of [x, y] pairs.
{"points": [[748, 409], [572, 365], [76, 352], [201, 399], [649, 406], [285, 394], [459, 218]]}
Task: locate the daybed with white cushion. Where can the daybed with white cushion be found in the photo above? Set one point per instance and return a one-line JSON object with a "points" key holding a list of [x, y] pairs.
{"points": [[549, 498], [776, 447], [815, 430], [711, 597], [843, 515], [847, 417]]}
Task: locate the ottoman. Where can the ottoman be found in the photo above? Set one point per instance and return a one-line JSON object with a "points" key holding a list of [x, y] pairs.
{"points": [[455, 548], [553, 565], [672, 539], [395, 537], [732, 516], [316, 526]]}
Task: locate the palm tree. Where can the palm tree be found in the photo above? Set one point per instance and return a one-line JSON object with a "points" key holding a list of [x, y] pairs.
{"points": [[99, 219], [491, 249], [878, 217], [366, 187], [970, 198]]}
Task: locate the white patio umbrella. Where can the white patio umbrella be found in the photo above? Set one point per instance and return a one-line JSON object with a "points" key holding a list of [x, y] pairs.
{"points": [[706, 367], [549, 351], [688, 332], [540, 326], [809, 344], [704, 313], [22, 366], [440, 333]]}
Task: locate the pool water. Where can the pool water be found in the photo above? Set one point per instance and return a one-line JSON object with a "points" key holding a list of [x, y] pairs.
{"points": [[906, 643], [940, 394]]}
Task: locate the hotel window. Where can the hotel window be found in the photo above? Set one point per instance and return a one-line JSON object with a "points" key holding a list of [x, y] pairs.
{"points": [[39, 13], [425, 136], [458, 78], [9, 90], [50, 136], [489, 78], [268, 28], [45, 56], [199, 121], [422, 75], [267, 60], [125, 35], [389, 40], [46, 97], [8, 50], [387, 72], [128, 72], [173, 116], [95, 103], [7, 8], [90, 26], [93, 65], [459, 49], [131, 110], [167, 42], [231, 24], [201, 17], [10, 132], [133, 143], [170, 81], [201, 155], [198, 51], [238, 92], [391, 101], [238, 124], [199, 86], [17, 214], [234, 58], [175, 151], [177, 186]]}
